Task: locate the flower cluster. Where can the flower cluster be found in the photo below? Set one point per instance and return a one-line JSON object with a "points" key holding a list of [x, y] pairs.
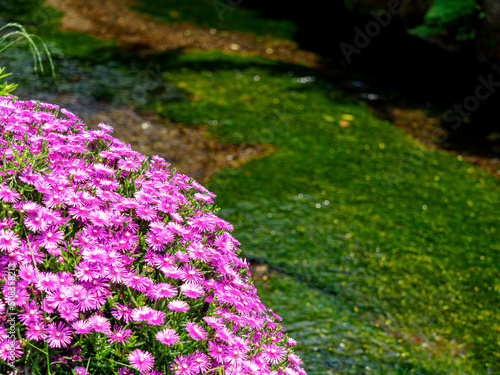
{"points": [[120, 258]]}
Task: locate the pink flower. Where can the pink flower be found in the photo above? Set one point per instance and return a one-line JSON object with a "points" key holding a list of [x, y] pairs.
{"points": [[99, 323], [80, 371], [216, 351], [122, 312], [273, 354], [177, 305], [120, 334], [137, 282], [9, 240], [58, 335], [184, 366], [157, 318], [195, 331], [192, 290], [162, 290], [141, 360], [82, 327], [142, 313], [35, 331], [47, 281], [8, 195], [200, 361], [50, 239], [10, 350], [167, 336], [35, 223]]}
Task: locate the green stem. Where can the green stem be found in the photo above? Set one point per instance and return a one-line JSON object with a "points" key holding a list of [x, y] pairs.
{"points": [[46, 346], [48, 360], [119, 363], [36, 347], [132, 297]]}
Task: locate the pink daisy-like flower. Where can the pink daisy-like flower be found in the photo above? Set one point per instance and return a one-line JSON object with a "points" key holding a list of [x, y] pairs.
{"points": [[146, 213], [27, 273], [47, 281], [214, 322], [177, 305], [137, 282], [82, 327], [35, 223], [8, 195], [57, 298], [7, 223], [173, 272], [273, 354], [116, 273], [294, 359], [141, 360], [76, 293], [195, 331], [142, 313], [58, 335], [225, 335], [235, 356], [192, 290], [50, 239], [129, 165], [86, 271], [203, 198], [10, 350], [68, 312], [200, 361], [122, 312], [157, 318], [191, 274], [80, 371], [120, 334], [100, 218], [162, 290], [35, 331], [100, 323], [184, 366], [167, 336], [31, 313], [9, 240]]}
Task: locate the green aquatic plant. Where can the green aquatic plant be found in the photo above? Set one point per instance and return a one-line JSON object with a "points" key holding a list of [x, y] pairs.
{"points": [[19, 34], [5, 87], [10, 38]]}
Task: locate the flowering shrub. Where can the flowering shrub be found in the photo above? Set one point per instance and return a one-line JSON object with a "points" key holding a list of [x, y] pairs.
{"points": [[112, 262]]}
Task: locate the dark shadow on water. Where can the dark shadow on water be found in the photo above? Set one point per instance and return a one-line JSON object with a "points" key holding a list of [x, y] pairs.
{"points": [[399, 68]]}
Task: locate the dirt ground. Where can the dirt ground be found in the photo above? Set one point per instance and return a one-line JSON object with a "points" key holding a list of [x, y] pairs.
{"points": [[113, 19]]}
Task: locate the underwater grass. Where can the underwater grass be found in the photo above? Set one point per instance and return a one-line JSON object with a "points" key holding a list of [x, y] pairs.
{"points": [[351, 205]]}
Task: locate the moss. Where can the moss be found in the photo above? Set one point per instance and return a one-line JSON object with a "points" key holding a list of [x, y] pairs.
{"points": [[351, 205]]}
